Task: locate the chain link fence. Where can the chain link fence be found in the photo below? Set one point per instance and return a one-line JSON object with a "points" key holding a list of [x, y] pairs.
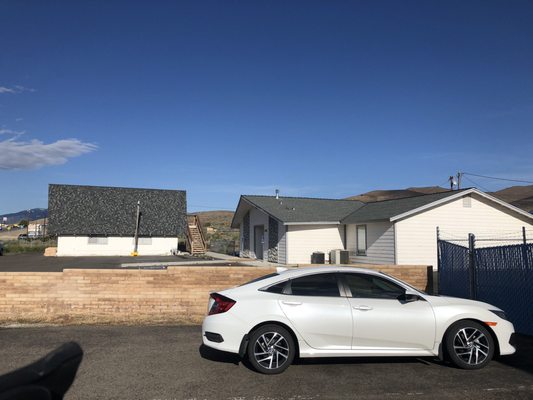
{"points": [[500, 274]]}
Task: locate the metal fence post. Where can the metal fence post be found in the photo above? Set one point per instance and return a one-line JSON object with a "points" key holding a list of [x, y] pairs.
{"points": [[524, 248], [436, 285], [472, 264]]}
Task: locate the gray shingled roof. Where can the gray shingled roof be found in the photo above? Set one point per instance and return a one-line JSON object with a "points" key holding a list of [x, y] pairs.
{"points": [[310, 210], [97, 210], [301, 209], [386, 209]]}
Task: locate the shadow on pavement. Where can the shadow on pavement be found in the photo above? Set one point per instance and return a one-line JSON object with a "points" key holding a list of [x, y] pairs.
{"points": [[369, 360], [523, 358], [219, 356], [211, 354]]}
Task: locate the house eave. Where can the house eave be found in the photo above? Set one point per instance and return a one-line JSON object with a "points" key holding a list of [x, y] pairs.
{"points": [[313, 223], [458, 196]]}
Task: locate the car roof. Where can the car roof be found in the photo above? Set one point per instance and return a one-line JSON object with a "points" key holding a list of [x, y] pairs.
{"points": [[289, 273]]}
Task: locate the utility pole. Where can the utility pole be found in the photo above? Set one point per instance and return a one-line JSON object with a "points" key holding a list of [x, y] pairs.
{"points": [[459, 180], [136, 237]]}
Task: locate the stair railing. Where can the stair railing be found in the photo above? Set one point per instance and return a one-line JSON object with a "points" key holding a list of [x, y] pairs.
{"points": [[195, 220]]}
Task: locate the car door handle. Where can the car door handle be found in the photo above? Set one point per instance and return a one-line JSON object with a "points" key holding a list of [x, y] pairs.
{"points": [[292, 303], [362, 308]]}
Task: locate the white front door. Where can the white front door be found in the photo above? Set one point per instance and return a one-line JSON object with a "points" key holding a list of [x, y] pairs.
{"points": [[382, 322], [318, 312]]}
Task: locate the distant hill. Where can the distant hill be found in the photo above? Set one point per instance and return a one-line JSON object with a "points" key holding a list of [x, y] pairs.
{"points": [[30, 215], [220, 237], [379, 195], [215, 219], [518, 196]]}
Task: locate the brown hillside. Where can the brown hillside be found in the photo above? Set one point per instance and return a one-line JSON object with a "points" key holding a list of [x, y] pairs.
{"points": [[218, 233], [515, 193], [220, 218], [379, 195], [519, 196]]}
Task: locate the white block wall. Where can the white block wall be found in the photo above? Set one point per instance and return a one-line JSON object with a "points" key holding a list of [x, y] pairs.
{"points": [[116, 246], [303, 240], [416, 238]]}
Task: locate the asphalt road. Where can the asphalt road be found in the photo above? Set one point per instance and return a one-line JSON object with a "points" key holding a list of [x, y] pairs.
{"points": [[168, 363], [37, 262]]}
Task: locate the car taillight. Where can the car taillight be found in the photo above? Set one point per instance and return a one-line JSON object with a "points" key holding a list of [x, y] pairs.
{"points": [[221, 304]]}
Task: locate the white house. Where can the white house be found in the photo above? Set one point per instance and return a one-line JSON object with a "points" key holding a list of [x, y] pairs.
{"points": [[101, 221], [401, 231]]}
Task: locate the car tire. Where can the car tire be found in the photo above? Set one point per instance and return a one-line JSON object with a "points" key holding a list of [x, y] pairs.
{"points": [[271, 349], [469, 345]]}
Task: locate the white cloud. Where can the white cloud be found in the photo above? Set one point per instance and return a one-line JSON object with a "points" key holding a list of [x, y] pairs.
{"points": [[36, 154], [15, 89], [4, 131]]}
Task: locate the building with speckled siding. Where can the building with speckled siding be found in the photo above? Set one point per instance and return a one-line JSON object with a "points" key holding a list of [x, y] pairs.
{"points": [[98, 221]]}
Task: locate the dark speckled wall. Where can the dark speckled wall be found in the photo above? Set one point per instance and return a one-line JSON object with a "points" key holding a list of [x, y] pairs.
{"points": [[96, 210]]}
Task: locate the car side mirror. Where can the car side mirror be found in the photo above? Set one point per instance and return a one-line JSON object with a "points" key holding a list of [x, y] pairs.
{"points": [[408, 297]]}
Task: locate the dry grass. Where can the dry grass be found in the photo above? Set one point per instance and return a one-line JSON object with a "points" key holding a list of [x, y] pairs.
{"points": [[28, 246]]}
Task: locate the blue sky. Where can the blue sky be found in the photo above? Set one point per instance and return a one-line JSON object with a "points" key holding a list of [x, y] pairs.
{"points": [[222, 98]]}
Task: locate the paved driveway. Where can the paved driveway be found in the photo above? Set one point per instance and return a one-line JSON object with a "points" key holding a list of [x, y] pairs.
{"points": [[167, 363], [37, 262]]}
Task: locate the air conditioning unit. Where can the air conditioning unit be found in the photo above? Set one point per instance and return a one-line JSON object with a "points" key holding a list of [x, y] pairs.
{"points": [[339, 256]]}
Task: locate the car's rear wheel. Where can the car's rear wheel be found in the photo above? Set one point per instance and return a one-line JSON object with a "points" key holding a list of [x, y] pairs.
{"points": [[469, 345], [271, 349]]}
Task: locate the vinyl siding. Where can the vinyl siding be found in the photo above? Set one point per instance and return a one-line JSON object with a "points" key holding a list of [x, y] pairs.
{"points": [[416, 238], [282, 244], [379, 242], [303, 240]]}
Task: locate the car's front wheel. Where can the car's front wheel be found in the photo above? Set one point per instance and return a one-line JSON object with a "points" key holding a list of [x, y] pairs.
{"points": [[469, 345], [271, 349]]}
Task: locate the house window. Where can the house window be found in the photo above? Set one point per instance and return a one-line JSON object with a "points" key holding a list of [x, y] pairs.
{"points": [[361, 240], [143, 241], [97, 240]]}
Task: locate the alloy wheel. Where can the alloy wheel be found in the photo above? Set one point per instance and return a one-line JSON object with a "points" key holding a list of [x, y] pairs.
{"points": [[471, 346], [271, 350]]}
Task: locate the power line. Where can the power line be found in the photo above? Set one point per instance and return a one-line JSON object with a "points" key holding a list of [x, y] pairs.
{"points": [[499, 179], [477, 184]]}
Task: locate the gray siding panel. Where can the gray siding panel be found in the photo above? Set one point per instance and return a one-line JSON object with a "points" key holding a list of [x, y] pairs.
{"points": [[282, 244], [380, 243]]}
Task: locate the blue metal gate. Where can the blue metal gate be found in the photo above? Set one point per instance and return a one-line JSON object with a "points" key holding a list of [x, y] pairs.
{"points": [[501, 275]]}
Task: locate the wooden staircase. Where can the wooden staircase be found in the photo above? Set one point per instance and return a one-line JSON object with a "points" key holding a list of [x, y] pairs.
{"points": [[196, 244]]}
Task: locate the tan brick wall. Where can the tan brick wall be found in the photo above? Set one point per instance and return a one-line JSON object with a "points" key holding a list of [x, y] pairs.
{"points": [[418, 276], [175, 295]]}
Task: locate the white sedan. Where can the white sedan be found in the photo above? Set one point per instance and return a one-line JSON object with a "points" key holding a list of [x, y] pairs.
{"points": [[345, 311]]}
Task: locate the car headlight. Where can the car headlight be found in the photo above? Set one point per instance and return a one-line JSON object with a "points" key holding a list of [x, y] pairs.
{"points": [[500, 314]]}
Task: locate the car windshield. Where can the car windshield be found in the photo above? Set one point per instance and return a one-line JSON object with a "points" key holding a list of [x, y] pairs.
{"points": [[260, 278]]}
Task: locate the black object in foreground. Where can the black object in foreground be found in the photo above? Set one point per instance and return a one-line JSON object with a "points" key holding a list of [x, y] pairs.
{"points": [[46, 379]]}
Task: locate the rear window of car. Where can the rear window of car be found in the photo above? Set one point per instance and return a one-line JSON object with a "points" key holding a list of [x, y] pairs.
{"points": [[325, 285], [261, 278]]}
